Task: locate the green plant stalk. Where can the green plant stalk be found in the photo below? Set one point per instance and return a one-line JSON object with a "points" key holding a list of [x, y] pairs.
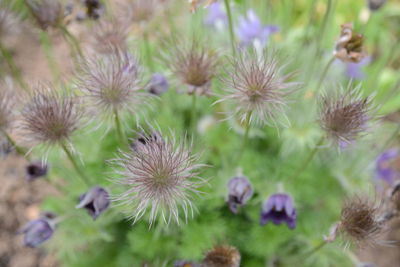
{"points": [[308, 160], [49, 51], [70, 38], [19, 149], [13, 67], [75, 164], [246, 135], [230, 25], [147, 47], [318, 247], [193, 115], [118, 127], [324, 73], [323, 26]]}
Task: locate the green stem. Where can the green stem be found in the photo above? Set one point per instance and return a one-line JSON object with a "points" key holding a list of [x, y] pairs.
{"points": [[230, 25], [311, 13], [75, 164], [147, 48], [19, 149], [391, 138], [13, 68], [315, 249], [321, 34], [118, 127], [324, 72], [308, 160], [49, 51], [193, 113], [246, 135], [70, 38]]}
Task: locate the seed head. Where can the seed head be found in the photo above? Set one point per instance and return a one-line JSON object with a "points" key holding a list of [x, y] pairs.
{"points": [[47, 13], [111, 83], [222, 256], [50, 117], [140, 11], [195, 65], [254, 85], [359, 221], [109, 35], [158, 174], [344, 116]]}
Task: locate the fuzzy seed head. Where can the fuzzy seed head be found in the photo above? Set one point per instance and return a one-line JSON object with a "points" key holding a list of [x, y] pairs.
{"points": [[111, 83], [47, 13], [196, 66], [108, 35], [158, 174], [359, 221], [344, 117], [222, 256], [254, 85], [50, 117], [142, 10]]}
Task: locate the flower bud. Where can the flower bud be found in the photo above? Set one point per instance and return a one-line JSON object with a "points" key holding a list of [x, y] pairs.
{"points": [[240, 191], [158, 84], [279, 208], [36, 170], [95, 201], [37, 231]]}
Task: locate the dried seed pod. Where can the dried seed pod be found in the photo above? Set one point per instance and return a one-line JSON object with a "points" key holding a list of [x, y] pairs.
{"points": [[222, 256], [350, 46]]}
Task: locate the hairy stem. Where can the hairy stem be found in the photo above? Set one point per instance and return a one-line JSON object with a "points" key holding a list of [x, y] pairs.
{"points": [[193, 116], [324, 72], [18, 149], [308, 160], [323, 26], [230, 25], [118, 127], [314, 250], [75, 164], [246, 135], [6, 54], [70, 38], [49, 51]]}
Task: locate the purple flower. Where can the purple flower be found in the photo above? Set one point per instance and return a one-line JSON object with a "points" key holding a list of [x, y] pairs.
{"points": [[388, 166], [36, 170], [240, 191], [251, 30], [95, 201], [216, 16], [158, 84], [279, 209], [355, 70], [37, 231]]}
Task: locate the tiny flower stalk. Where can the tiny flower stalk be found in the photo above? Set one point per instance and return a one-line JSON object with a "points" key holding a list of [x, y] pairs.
{"points": [[247, 126], [118, 127], [16, 73], [324, 25], [75, 164], [324, 73], [230, 26]]}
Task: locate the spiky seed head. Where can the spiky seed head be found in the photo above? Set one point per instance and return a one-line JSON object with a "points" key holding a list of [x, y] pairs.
{"points": [[50, 117], [359, 221], [222, 256], [111, 83], [161, 175], [47, 13], [109, 35], [345, 116], [195, 66], [140, 11], [255, 85]]}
